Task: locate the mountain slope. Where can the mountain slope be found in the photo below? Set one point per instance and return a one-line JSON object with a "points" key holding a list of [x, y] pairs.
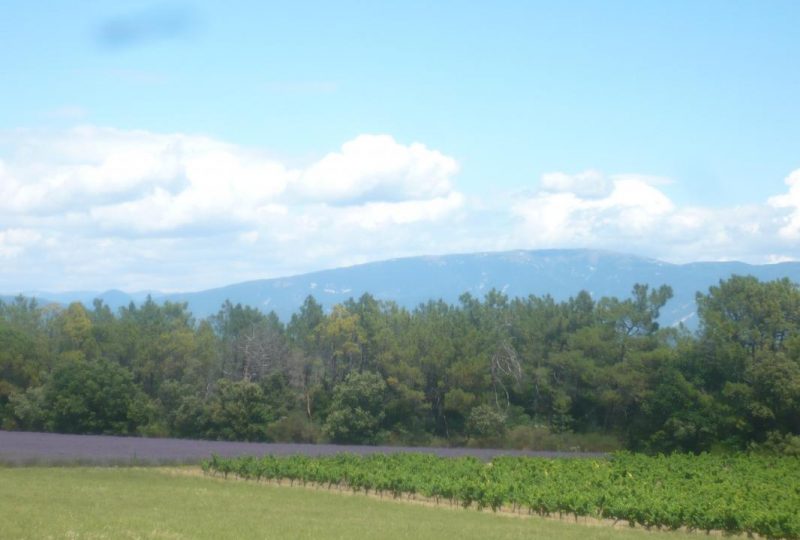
{"points": [[559, 273], [411, 281]]}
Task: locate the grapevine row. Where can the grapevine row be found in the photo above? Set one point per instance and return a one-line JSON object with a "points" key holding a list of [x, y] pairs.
{"points": [[736, 494]]}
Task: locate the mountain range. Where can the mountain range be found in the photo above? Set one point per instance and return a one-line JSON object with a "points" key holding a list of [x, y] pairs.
{"points": [[414, 280]]}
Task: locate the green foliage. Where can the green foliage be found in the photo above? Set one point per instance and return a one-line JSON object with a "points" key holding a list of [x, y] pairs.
{"points": [[19, 369], [778, 444], [295, 427], [76, 331], [486, 422], [356, 410], [526, 437], [84, 396], [735, 493], [748, 356], [369, 370], [238, 411]]}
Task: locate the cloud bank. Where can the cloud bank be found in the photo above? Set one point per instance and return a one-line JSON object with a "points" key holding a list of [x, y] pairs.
{"points": [[96, 208]]}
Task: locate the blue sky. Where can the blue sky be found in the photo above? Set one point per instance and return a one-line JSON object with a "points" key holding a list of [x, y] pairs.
{"points": [[186, 145]]}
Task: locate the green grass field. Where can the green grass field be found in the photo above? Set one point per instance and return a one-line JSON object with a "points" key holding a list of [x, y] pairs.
{"points": [[85, 502]]}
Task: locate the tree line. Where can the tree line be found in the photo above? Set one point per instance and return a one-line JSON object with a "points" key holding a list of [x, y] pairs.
{"points": [[526, 372]]}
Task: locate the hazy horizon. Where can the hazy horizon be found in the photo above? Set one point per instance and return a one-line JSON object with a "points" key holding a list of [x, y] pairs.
{"points": [[160, 292]]}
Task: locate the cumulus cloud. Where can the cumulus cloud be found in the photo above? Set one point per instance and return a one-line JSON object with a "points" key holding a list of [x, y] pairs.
{"points": [[103, 187], [144, 182], [630, 207], [633, 213], [790, 225], [95, 208], [374, 167]]}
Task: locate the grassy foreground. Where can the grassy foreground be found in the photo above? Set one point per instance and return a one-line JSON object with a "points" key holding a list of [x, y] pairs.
{"points": [[96, 503]]}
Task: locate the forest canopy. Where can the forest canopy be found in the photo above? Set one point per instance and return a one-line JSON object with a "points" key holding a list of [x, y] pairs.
{"points": [[526, 372]]}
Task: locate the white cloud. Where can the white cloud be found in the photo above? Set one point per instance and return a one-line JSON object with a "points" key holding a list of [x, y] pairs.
{"points": [[376, 167], [375, 215], [143, 182], [138, 204], [790, 226], [633, 214], [576, 211], [95, 208], [14, 241]]}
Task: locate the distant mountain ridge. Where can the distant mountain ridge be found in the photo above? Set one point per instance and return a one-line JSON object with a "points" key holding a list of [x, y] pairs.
{"points": [[414, 280]]}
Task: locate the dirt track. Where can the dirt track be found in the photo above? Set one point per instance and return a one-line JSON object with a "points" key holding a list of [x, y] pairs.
{"points": [[51, 448]]}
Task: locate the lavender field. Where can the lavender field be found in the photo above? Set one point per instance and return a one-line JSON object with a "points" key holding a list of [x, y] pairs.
{"points": [[25, 448]]}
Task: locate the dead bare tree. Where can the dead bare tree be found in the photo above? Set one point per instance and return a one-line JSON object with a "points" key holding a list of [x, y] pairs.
{"points": [[505, 366], [257, 352], [305, 373]]}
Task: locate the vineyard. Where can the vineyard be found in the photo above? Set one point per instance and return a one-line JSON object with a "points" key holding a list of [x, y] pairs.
{"points": [[732, 493]]}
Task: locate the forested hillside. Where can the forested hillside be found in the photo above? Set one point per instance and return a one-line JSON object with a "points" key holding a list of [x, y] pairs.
{"points": [[525, 372], [560, 273]]}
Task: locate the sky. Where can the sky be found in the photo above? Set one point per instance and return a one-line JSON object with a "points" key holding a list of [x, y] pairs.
{"points": [[179, 146]]}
